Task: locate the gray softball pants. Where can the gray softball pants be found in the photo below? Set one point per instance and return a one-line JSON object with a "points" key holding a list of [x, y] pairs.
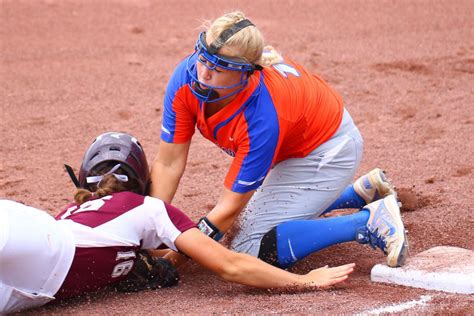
{"points": [[301, 188]]}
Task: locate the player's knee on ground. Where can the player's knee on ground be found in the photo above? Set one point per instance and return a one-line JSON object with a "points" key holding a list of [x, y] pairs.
{"points": [[268, 248]]}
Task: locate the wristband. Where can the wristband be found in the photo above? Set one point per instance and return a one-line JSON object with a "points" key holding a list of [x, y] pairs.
{"points": [[209, 229]]}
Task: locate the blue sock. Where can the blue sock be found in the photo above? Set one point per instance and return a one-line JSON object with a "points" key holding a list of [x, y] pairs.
{"points": [[348, 199], [297, 239]]}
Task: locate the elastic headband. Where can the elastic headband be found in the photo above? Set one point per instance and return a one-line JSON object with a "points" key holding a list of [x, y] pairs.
{"points": [[209, 57], [97, 179], [231, 63], [226, 34]]}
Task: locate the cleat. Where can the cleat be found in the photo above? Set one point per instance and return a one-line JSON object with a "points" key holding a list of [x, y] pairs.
{"points": [[385, 230], [374, 186]]}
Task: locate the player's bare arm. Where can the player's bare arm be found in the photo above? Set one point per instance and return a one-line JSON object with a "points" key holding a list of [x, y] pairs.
{"points": [[248, 270], [228, 207], [169, 164], [222, 216]]}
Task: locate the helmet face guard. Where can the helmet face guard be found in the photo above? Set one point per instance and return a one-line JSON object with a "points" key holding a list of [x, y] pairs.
{"points": [[209, 57], [120, 149]]}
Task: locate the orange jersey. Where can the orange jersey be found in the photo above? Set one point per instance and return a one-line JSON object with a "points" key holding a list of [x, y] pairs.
{"points": [[284, 112]]}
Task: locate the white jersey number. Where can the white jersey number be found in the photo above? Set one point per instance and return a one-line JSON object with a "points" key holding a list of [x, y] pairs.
{"points": [[122, 268], [285, 69], [93, 205]]}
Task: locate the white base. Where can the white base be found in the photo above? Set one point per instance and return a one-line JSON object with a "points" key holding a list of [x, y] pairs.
{"points": [[448, 269]]}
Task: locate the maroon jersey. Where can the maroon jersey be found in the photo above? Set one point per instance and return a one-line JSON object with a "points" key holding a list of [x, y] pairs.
{"points": [[108, 232]]}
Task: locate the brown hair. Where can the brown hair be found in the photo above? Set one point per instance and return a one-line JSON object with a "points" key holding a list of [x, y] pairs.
{"points": [[108, 185]]}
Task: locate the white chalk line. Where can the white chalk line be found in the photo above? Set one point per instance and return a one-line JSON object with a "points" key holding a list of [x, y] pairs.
{"points": [[424, 299]]}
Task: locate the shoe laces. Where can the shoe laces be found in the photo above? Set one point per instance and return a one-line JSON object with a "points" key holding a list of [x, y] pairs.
{"points": [[379, 239]]}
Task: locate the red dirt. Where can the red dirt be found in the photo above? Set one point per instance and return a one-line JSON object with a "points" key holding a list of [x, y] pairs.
{"points": [[71, 70]]}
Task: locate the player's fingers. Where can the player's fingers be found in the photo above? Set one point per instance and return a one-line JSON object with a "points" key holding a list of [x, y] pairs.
{"points": [[340, 274], [344, 267], [342, 270], [337, 280], [339, 270]]}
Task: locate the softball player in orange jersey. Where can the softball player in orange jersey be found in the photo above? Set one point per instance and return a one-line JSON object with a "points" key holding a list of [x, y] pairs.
{"points": [[296, 150]]}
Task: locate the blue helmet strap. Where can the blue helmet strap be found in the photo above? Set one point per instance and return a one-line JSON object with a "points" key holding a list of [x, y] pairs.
{"points": [[226, 34]]}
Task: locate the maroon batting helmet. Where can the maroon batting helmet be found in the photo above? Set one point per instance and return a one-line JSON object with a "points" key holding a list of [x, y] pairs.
{"points": [[117, 147]]}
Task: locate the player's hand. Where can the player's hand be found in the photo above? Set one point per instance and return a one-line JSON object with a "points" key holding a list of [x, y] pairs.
{"points": [[326, 276], [149, 273]]}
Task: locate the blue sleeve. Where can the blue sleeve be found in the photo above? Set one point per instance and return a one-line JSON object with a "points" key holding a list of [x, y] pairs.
{"points": [[263, 133], [178, 80]]}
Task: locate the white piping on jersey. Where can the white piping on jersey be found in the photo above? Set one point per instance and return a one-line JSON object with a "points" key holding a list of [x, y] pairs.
{"points": [[242, 182], [292, 252], [164, 129]]}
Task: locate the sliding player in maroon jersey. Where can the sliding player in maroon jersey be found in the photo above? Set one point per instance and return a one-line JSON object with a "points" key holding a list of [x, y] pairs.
{"points": [[95, 240]]}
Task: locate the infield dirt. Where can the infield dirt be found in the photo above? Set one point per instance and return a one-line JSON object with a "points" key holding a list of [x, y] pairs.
{"points": [[71, 70]]}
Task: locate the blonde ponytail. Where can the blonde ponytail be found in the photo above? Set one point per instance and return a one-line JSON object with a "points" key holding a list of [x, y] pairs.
{"points": [[270, 57]]}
